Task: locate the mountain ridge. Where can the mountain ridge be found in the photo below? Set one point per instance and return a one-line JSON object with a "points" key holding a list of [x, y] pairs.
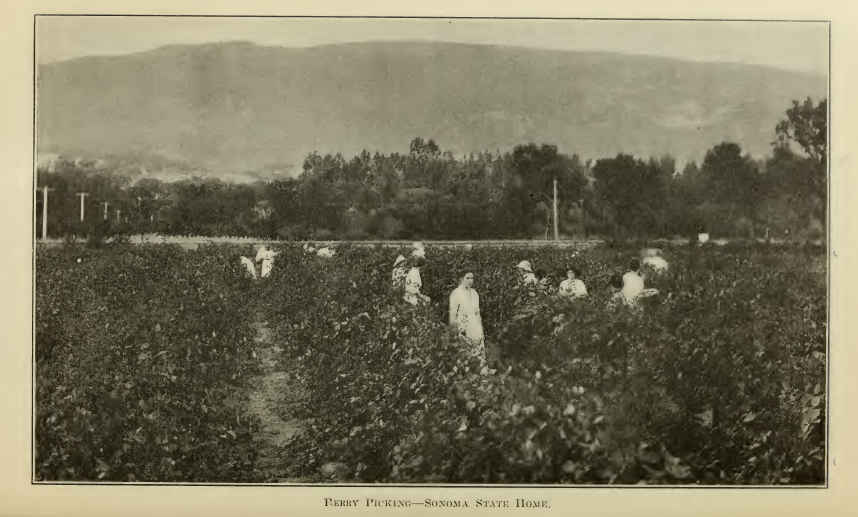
{"points": [[232, 107]]}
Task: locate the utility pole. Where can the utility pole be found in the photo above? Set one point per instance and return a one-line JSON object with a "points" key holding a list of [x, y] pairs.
{"points": [[105, 203], [556, 237], [118, 212], [583, 223], [45, 190], [82, 198]]}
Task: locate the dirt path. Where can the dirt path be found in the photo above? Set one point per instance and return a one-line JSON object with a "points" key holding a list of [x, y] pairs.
{"points": [[275, 394]]}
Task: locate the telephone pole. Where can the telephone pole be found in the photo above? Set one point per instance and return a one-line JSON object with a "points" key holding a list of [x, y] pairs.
{"points": [[45, 190], [118, 212], [105, 203], [82, 198], [556, 237]]}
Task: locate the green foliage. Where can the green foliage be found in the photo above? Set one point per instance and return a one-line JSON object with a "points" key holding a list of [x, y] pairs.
{"points": [[739, 335], [633, 192], [719, 380], [141, 359], [143, 366], [806, 125]]}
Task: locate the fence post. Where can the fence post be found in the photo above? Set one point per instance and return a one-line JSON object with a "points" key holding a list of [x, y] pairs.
{"points": [[45, 190]]}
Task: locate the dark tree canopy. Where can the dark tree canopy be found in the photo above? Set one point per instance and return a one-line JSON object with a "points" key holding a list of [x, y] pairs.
{"points": [[806, 125]]}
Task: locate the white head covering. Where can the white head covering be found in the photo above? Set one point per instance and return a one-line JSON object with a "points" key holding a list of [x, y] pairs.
{"points": [[418, 245], [525, 265], [418, 253], [399, 259]]}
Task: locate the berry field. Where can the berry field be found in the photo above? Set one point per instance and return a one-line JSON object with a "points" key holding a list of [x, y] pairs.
{"points": [[159, 364]]}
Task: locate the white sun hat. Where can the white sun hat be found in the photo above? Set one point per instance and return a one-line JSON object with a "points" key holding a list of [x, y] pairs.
{"points": [[525, 265]]}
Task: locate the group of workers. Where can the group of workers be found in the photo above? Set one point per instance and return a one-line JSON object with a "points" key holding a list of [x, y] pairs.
{"points": [[464, 301], [464, 315], [267, 255], [264, 255]]}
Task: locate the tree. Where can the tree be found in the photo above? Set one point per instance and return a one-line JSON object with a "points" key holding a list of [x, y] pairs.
{"points": [[807, 126], [633, 192], [794, 178], [734, 181], [685, 192], [530, 177], [150, 196], [419, 147]]}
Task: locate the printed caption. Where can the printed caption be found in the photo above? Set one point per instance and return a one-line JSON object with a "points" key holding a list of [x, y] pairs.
{"points": [[438, 503]]}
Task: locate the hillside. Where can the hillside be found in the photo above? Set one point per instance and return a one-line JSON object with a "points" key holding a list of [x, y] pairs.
{"points": [[239, 107]]}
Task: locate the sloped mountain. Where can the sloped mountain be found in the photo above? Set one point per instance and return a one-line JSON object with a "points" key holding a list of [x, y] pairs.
{"points": [[239, 107]]}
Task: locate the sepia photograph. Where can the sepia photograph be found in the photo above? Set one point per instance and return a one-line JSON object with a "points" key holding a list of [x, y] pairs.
{"points": [[430, 251]]}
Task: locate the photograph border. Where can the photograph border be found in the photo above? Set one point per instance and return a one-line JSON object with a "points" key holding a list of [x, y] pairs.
{"points": [[34, 482]]}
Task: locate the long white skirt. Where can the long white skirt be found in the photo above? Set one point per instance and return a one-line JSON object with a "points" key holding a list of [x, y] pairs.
{"points": [[472, 326]]}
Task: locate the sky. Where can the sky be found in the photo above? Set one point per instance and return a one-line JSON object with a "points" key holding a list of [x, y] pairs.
{"points": [[799, 46]]}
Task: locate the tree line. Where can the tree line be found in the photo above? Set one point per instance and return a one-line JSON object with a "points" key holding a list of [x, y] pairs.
{"points": [[429, 194]]}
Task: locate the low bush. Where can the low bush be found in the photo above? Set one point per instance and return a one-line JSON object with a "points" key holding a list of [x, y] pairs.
{"points": [[142, 367], [707, 386], [141, 361]]}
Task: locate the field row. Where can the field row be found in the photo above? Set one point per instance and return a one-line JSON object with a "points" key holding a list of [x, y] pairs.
{"points": [[720, 380]]}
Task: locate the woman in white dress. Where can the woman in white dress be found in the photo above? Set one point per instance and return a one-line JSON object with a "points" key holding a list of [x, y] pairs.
{"points": [[525, 273], [267, 258], [573, 286], [413, 282], [465, 318], [622, 298], [652, 258], [251, 270], [400, 270]]}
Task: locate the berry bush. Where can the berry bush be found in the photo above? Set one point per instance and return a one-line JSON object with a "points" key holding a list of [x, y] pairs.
{"points": [[143, 367]]}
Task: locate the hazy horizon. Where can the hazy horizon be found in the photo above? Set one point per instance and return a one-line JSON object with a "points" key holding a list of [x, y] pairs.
{"points": [[794, 46]]}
